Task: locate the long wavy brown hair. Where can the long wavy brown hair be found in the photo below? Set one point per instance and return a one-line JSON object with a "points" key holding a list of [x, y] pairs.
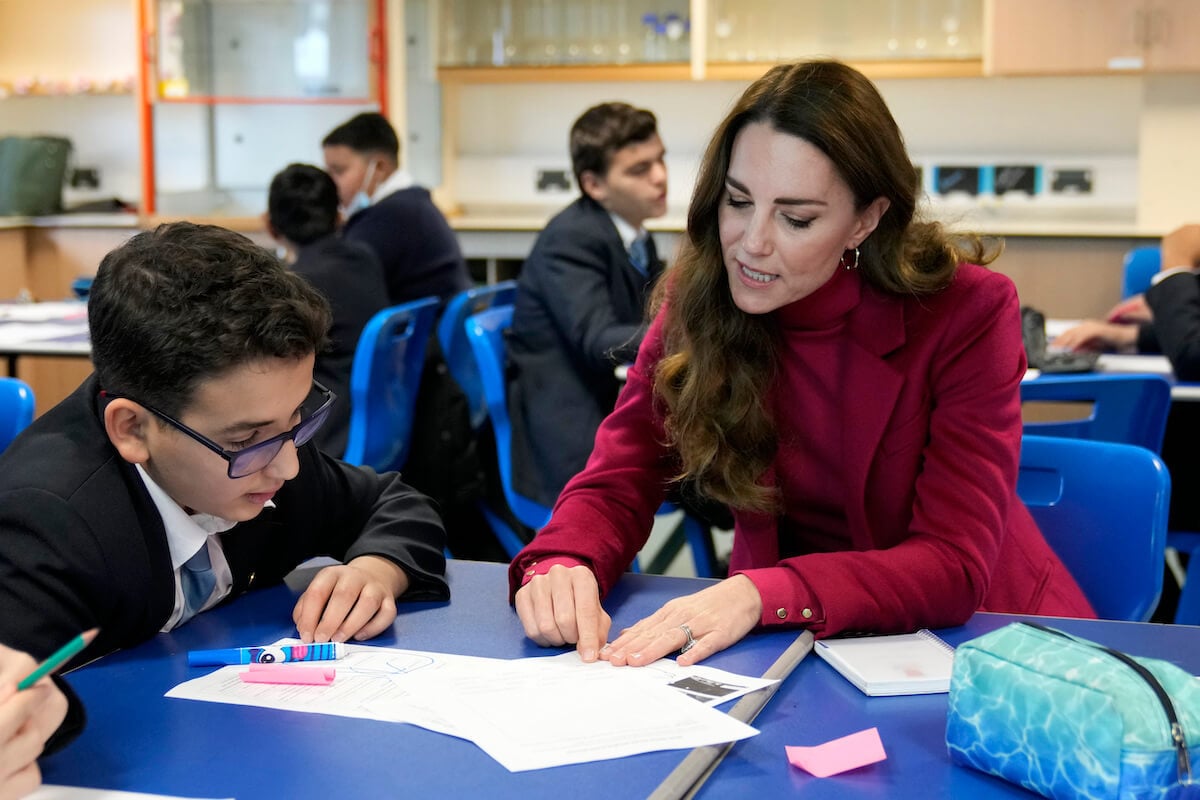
{"points": [[719, 361]]}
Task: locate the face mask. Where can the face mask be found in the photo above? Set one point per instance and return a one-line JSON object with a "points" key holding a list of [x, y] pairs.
{"points": [[361, 199]]}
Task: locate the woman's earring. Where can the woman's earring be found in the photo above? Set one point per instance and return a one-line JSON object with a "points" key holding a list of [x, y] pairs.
{"points": [[848, 265]]}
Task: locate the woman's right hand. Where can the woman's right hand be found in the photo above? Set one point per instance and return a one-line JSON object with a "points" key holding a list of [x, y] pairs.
{"points": [[27, 720], [563, 607]]}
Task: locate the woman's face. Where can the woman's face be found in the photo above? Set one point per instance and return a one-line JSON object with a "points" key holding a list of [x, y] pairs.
{"points": [[785, 219]]}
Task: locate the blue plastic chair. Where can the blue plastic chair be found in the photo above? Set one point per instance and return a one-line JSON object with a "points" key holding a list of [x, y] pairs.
{"points": [[485, 332], [452, 336], [16, 409], [1127, 409], [384, 380], [485, 336], [1103, 509], [1141, 264]]}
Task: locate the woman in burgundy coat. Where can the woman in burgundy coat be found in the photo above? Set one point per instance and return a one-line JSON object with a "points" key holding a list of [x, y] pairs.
{"points": [[841, 374]]}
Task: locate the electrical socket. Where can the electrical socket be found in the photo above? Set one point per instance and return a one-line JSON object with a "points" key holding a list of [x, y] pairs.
{"points": [[1071, 181], [553, 180], [85, 178]]}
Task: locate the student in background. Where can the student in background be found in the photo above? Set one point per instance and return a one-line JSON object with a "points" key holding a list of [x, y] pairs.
{"points": [[33, 722], [421, 258], [176, 476], [386, 211], [1166, 320], [302, 216], [581, 297], [839, 374]]}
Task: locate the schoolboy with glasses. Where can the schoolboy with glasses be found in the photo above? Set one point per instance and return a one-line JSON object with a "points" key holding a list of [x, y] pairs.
{"points": [[177, 475]]}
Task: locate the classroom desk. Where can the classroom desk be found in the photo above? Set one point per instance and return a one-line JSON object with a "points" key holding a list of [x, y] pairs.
{"points": [[43, 329], [138, 740], [1122, 363], [816, 704]]}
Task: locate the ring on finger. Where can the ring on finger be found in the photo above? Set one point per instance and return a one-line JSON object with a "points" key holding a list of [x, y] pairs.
{"points": [[691, 640]]}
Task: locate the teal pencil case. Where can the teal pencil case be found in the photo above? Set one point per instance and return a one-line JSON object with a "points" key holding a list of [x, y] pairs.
{"points": [[1069, 718]]}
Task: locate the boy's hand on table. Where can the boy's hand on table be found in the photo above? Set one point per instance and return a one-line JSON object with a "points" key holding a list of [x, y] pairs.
{"points": [[355, 600]]}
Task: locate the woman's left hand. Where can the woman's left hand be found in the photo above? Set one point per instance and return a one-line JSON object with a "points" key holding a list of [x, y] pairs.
{"points": [[717, 617]]}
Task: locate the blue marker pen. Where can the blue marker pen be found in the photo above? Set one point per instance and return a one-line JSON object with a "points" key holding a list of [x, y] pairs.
{"points": [[326, 651]]}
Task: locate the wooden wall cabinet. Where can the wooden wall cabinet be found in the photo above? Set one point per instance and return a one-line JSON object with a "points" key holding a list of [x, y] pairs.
{"points": [[1065, 37]]}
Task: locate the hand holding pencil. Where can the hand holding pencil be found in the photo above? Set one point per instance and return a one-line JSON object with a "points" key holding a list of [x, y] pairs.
{"points": [[31, 710]]}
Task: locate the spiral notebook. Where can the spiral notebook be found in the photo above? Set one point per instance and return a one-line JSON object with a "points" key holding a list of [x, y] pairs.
{"points": [[902, 663]]}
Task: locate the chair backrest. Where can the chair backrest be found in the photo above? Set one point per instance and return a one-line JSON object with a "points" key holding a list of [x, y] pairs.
{"points": [[1103, 509], [16, 409], [1141, 263], [384, 379], [452, 336], [485, 332], [1127, 409]]}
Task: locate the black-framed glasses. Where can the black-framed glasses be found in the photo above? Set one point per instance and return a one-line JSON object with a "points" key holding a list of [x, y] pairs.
{"points": [[257, 456]]}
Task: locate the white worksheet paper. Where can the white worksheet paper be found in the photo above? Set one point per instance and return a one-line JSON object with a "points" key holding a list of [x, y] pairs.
{"points": [[709, 685], [629, 710], [530, 715], [371, 683]]}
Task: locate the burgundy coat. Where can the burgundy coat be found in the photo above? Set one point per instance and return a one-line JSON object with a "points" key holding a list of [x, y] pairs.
{"points": [[930, 448]]}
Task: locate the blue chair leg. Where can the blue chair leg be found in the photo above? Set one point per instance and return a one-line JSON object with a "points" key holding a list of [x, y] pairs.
{"points": [[1188, 610]]}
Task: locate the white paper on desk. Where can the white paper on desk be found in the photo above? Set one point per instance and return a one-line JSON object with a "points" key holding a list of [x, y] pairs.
{"points": [[530, 715], [371, 683], [13, 334], [709, 685], [1118, 362], [43, 312], [50, 792]]}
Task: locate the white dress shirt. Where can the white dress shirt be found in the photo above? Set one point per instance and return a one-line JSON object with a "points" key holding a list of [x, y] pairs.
{"points": [[187, 533]]}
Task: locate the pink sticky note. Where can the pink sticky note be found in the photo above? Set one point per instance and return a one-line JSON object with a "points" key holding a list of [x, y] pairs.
{"points": [[288, 673], [840, 755]]}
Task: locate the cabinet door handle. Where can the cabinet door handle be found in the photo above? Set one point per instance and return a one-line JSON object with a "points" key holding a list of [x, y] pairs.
{"points": [[1141, 29], [1160, 31]]}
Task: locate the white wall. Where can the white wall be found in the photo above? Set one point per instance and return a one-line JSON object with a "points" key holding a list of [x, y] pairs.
{"points": [[1169, 158]]}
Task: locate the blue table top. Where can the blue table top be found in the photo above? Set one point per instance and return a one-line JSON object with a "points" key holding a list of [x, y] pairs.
{"points": [[816, 704], [140, 741]]}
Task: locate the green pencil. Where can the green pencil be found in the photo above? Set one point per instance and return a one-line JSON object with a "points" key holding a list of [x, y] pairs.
{"points": [[59, 658]]}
